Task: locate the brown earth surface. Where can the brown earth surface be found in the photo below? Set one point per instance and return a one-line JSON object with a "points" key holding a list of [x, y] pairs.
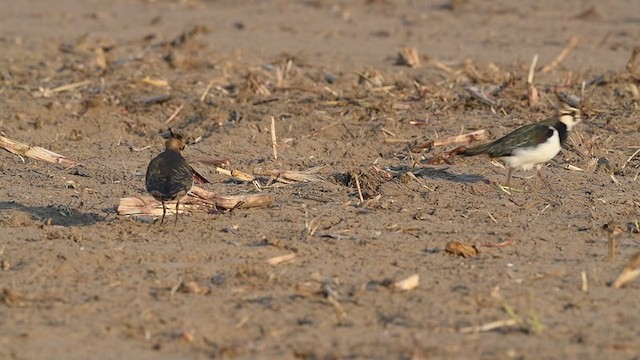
{"points": [[79, 281]]}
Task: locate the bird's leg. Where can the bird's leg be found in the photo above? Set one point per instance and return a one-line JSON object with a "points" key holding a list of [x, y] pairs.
{"points": [[164, 211], [177, 204], [506, 187], [544, 180]]}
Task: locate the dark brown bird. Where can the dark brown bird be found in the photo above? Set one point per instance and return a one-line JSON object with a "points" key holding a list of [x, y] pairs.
{"points": [[169, 176]]}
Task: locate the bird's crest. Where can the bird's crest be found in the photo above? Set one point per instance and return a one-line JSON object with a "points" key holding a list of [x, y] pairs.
{"points": [[174, 142], [570, 116]]}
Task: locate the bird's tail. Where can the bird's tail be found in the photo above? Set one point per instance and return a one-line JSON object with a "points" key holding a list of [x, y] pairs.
{"points": [[476, 150]]}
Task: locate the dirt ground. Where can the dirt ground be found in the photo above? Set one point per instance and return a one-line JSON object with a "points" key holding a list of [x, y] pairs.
{"points": [[79, 281]]}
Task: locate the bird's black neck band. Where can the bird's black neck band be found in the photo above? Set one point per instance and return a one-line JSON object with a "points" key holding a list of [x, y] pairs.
{"points": [[563, 132]]}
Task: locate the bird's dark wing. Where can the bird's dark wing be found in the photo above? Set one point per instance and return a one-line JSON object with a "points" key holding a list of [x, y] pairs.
{"points": [[169, 174], [476, 150], [154, 175], [199, 178], [526, 136]]}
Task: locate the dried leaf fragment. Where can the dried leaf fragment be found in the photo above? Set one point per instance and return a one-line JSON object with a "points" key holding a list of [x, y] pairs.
{"points": [[461, 249]]}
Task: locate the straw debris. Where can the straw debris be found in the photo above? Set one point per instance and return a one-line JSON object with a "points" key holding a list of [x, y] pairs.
{"points": [[197, 200], [408, 283], [629, 273], [408, 57], [35, 152]]}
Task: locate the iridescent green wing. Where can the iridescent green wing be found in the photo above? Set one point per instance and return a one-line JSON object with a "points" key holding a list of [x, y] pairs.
{"points": [[526, 136]]}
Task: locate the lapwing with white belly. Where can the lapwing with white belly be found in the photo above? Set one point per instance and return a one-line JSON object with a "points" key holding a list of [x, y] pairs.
{"points": [[531, 145]]}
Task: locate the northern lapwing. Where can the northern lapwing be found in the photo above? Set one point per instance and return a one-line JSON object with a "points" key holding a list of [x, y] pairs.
{"points": [[169, 176], [533, 144]]}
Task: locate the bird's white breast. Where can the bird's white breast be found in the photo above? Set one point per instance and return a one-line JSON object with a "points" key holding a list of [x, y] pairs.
{"points": [[528, 157]]}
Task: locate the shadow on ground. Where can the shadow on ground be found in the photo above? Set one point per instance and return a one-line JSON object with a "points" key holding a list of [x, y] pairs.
{"points": [[442, 173], [55, 214]]}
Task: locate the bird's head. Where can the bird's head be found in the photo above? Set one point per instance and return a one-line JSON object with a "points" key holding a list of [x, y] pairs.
{"points": [[570, 116], [174, 142]]}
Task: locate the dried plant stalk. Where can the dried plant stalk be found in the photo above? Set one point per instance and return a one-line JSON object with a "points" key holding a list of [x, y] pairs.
{"points": [[233, 201], [458, 139], [613, 230], [478, 135], [143, 205], [292, 175], [274, 139], [72, 86], [197, 199], [480, 95], [174, 114], [573, 42], [207, 160], [631, 64], [532, 91], [155, 82], [497, 245], [236, 174], [630, 271], [407, 284], [409, 57], [35, 152], [281, 259], [488, 327], [101, 58], [206, 91]]}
